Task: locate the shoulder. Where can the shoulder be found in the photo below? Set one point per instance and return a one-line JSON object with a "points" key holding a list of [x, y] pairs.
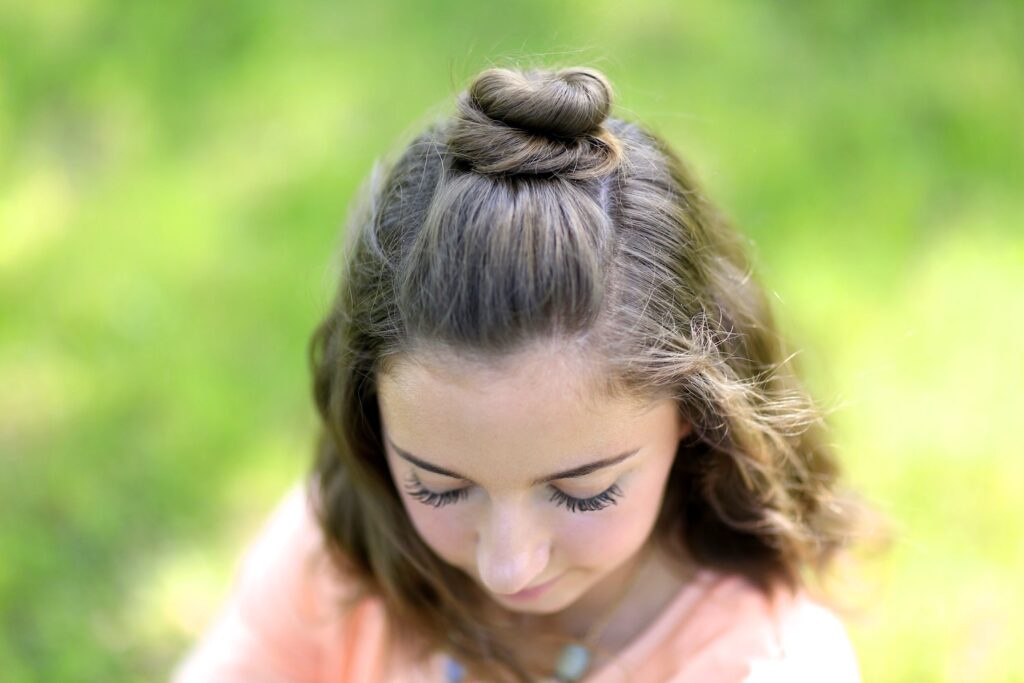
{"points": [[811, 644], [289, 560], [283, 618], [737, 632]]}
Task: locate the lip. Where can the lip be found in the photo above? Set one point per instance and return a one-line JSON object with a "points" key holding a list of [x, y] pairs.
{"points": [[530, 593]]}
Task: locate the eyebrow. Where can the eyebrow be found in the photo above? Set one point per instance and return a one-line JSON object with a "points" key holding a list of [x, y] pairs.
{"points": [[580, 471]]}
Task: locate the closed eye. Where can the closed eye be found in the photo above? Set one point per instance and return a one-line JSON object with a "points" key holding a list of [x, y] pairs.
{"points": [[415, 488], [602, 500]]}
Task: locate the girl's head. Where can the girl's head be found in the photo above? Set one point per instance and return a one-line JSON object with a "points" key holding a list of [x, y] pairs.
{"points": [[534, 286]]}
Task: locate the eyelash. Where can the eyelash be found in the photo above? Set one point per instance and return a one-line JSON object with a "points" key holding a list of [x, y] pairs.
{"points": [[598, 502], [602, 500], [432, 498]]}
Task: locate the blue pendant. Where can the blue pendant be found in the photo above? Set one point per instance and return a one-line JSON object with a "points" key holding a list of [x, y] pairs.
{"points": [[572, 663], [453, 671]]}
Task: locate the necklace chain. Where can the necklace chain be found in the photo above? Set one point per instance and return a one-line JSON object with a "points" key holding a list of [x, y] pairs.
{"points": [[576, 659], [595, 631]]}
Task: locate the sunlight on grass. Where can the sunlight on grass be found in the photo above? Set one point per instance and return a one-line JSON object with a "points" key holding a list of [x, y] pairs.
{"points": [[182, 593], [41, 391], [34, 214], [933, 386]]}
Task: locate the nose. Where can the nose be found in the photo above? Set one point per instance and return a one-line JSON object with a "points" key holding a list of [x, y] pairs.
{"points": [[512, 550]]}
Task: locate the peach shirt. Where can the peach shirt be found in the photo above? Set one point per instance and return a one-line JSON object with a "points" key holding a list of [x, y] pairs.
{"points": [[277, 626]]}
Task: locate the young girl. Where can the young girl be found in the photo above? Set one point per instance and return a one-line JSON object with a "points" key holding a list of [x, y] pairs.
{"points": [[561, 441]]}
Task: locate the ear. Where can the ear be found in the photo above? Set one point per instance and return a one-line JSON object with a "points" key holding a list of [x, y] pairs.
{"points": [[685, 427]]}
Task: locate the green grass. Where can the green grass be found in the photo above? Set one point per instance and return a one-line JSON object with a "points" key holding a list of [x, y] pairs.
{"points": [[172, 181]]}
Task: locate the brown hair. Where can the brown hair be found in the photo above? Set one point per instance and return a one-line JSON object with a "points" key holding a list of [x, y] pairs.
{"points": [[532, 214]]}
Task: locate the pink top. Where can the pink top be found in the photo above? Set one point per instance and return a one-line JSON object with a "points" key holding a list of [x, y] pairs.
{"points": [[278, 626]]}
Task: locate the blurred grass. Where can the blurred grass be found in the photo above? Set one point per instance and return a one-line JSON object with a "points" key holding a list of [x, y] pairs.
{"points": [[172, 181]]}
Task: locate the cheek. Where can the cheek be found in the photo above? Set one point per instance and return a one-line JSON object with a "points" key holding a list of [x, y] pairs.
{"points": [[611, 535], [442, 530]]}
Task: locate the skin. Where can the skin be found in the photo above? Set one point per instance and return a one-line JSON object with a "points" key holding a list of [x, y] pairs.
{"points": [[503, 426]]}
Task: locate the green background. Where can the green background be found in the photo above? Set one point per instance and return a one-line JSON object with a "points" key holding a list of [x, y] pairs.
{"points": [[173, 177]]}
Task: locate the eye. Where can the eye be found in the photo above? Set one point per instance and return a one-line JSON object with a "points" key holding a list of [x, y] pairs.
{"points": [[602, 500], [415, 488]]}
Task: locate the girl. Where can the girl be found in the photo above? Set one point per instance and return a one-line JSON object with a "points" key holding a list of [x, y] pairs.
{"points": [[561, 441]]}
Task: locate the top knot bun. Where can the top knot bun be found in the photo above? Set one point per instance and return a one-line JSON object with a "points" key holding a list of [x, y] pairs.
{"points": [[565, 103], [536, 122]]}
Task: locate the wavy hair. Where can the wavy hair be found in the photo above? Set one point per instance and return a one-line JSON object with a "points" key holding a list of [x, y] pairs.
{"points": [[532, 214]]}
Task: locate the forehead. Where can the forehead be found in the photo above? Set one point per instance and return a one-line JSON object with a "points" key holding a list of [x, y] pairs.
{"points": [[552, 374], [538, 407]]}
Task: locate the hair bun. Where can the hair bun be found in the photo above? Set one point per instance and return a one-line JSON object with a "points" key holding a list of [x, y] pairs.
{"points": [[535, 122], [566, 103]]}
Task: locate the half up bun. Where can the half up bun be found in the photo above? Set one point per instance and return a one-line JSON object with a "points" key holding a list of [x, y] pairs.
{"points": [[536, 122], [563, 104]]}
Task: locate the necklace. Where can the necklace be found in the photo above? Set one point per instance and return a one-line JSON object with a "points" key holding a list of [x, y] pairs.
{"points": [[576, 658]]}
